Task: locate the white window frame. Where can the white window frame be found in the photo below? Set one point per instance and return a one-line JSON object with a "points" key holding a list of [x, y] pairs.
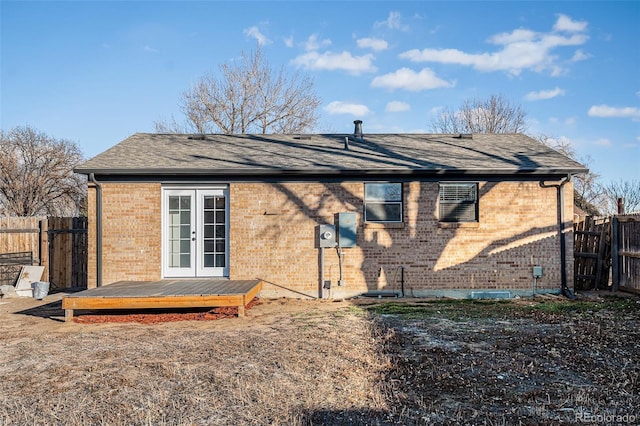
{"points": [[461, 201], [383, 201]]}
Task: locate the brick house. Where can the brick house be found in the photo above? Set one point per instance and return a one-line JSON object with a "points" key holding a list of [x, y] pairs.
{"points": [[435, 215]]}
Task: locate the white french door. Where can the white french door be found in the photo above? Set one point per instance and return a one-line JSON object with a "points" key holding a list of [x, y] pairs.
{"points": [[195, 232]]}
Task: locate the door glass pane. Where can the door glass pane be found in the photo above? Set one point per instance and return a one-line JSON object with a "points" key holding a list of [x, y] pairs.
{"points": [[185, 217], [214, 232], [220, 216], [174, 218], [174, 203], [179, 233], [174, 232], [208, 217], [185, 247]]}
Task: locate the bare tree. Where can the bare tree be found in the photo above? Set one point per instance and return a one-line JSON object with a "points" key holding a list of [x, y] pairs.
{"points": [[628, 190], [248, 97], [493, 115], [588, 191], [36, 174], [173, 126]]}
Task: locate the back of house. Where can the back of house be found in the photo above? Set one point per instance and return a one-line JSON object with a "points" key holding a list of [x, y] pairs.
{"points": [[335, 215]]}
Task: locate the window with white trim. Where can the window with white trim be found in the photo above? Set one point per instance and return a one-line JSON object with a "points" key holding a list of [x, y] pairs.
{"points": [[458, 202], [383, 202]]}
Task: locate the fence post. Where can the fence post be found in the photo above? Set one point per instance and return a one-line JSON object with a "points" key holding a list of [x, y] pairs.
{"points": [[615, 265], [43, 252]]}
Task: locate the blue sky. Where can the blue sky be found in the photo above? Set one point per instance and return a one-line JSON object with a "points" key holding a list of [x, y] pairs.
{"points": [[95, 72]]}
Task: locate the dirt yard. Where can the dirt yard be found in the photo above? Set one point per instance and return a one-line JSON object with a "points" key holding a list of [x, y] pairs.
{"points": [[367, 362]]}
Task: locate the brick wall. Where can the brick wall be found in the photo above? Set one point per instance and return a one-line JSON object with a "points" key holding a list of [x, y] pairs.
{"points": [[131, 232], [272, 237]]}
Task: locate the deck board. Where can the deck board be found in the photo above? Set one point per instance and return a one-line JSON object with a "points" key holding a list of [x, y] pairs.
{"points": [[174, 293]]}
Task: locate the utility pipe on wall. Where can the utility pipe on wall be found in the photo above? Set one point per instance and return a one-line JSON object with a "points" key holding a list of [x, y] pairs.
{"points": [[560, 215], [321, 292], [92, 178]]}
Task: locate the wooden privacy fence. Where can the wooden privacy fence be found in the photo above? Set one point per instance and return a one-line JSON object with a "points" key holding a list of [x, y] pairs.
{"points": [[592, 253], [23, 241], [626, 253], [58, 244]]}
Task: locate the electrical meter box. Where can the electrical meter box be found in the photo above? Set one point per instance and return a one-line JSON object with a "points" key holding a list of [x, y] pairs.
{"points": [[537, 271], [325, 236], [346, 226]]}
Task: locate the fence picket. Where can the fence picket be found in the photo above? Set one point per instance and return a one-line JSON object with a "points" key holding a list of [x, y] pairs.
{"points": [[58, 244]]}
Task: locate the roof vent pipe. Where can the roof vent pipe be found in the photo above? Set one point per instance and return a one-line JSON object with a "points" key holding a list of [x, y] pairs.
{"points": [[357, 132], [346, 143]]}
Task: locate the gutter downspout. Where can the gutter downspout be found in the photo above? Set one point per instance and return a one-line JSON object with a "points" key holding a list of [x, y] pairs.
{"points": [[563, 244], [98, 185]]}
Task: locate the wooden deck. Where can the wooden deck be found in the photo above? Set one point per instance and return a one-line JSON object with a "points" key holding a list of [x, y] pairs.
{"points": [[182, 293]]}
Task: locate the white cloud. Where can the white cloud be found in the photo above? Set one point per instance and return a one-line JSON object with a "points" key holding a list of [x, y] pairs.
{"points": [[544, 94], [373, 43], [288, 41], [393, 22], [150, 49], [515, 36], [608, 111], [561, 143], [254, 32], [397, 106], [337, 107], [522, 49], [336, 61], [564, 23], [571, 121], [579, 56], [602, 142], [408, 79], [313, 43]]}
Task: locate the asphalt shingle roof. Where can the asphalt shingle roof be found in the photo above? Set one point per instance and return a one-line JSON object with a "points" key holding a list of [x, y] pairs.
{"points": [[179, 154]]}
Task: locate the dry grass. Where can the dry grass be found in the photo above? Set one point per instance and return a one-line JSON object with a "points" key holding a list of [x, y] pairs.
{"points": [[293, 362], [188, 373]]}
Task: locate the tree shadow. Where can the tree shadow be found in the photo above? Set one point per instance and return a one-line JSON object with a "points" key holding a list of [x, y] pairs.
{"points": [[388, 253]]}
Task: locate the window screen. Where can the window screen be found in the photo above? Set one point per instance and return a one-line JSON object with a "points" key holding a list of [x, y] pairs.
{"points": [[458, 202], [383, 202]]}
